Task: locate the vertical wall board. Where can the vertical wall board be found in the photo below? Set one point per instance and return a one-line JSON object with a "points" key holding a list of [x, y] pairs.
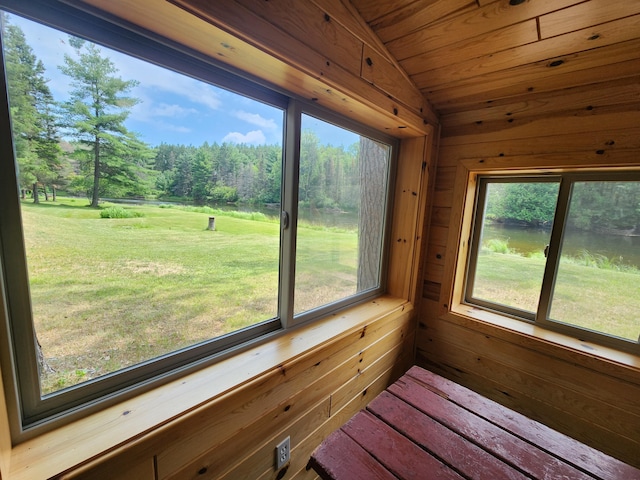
{"points": [[410, 199]]}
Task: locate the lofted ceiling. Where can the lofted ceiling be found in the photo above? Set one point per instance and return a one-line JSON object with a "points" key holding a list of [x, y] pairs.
{"points": [[475, 56]]}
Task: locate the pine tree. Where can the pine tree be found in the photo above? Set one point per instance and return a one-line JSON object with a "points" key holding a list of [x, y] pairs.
{"points": [[96, 113], [32, 113]]}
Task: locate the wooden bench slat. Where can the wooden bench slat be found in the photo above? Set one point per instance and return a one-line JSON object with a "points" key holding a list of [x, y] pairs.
{"points": [[566, 448], [397, 453], [492, 438], [341, 458], [466, 457]]}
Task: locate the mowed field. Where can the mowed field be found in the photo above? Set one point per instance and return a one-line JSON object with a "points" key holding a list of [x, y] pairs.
{"points": [[111, 292]]}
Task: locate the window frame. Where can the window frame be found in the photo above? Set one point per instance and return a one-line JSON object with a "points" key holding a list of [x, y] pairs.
{"points": [[32, 414], [541, 317]]}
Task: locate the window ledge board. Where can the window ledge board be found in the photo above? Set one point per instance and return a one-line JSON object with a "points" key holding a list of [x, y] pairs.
{"points": [[98, 434], [625, 366]]}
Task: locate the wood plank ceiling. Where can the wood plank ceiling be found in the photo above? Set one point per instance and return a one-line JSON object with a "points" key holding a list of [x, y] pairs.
{"points": [[479, 60]]}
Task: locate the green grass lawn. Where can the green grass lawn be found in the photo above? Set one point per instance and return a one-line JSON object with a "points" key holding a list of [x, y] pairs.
{"points": [[605, 300], [108, 293]]}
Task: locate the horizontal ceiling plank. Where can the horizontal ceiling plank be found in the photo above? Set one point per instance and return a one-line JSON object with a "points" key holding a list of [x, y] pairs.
{"points": [[570, 43], [381, 73], [477, 22], [372, 10], [599, 65], [590, 97], [584, 15], [419, 15], [483, 45]]}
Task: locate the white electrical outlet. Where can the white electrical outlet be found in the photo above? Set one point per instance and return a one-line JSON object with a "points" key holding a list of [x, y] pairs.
{"points": [[283, 451]]}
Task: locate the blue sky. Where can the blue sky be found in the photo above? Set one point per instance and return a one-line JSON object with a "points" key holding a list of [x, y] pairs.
{"points": [[174, 108]]}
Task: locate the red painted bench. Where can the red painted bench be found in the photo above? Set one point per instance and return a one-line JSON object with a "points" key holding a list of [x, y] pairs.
{"points": [[425, 426]]}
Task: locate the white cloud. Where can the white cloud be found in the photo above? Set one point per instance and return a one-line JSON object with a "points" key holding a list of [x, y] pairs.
{"points": [[256, 119], [174, 111], [253, 137]]}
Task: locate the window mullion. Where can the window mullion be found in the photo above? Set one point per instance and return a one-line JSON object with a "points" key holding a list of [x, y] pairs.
{"points": [[289, 212], [554, 250]]}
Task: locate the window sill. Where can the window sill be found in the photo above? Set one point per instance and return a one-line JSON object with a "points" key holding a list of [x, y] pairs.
{"points": [[98, 434], [613, 362]]}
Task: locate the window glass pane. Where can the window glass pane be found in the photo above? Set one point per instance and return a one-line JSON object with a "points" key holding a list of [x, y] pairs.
{"points": [[341, 210], [515, 229], [598, 281], [150, 204]]}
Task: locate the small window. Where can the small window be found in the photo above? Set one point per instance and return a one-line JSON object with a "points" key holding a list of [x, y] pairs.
{"points": [[562, 251], [159, 212]]}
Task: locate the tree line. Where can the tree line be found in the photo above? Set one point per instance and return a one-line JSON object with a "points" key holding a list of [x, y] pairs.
{"points": [[601, 206], [82, 146]]}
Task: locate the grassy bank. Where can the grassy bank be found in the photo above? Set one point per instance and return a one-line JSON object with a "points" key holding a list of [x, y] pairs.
{"points": [[602, 299], [111, 292]]}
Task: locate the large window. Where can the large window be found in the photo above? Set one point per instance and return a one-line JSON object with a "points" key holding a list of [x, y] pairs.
{"points": [[562, 251], [159, 212]]}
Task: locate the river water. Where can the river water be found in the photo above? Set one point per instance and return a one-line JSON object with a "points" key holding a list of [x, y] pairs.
{"points": [[622, 249]]}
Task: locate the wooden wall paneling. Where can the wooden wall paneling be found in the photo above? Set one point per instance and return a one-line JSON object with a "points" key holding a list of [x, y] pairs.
{"points": [[399, 356], [593, 387], [584, 15], [350, 18], [584, 68], [596, 159], [274, 39], [371, 11], [382, 74], [122, 467], [308, 24], [418, 15], [315, 437], [410, 198], [603, 138], [588, 98], [568, 44], [489, 127], [355, 393], [564, 396], [542, 127], [213, 425], [471, 49], [479, 21]]}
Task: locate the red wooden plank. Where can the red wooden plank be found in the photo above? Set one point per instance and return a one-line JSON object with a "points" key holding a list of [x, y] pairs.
{"points": [[570, 450], [397, 453], [499, 442], [464, 456], [340, 458]]}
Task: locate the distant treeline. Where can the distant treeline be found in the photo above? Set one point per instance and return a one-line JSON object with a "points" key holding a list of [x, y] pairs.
{"points": [[82, 145], [607, 207]]}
